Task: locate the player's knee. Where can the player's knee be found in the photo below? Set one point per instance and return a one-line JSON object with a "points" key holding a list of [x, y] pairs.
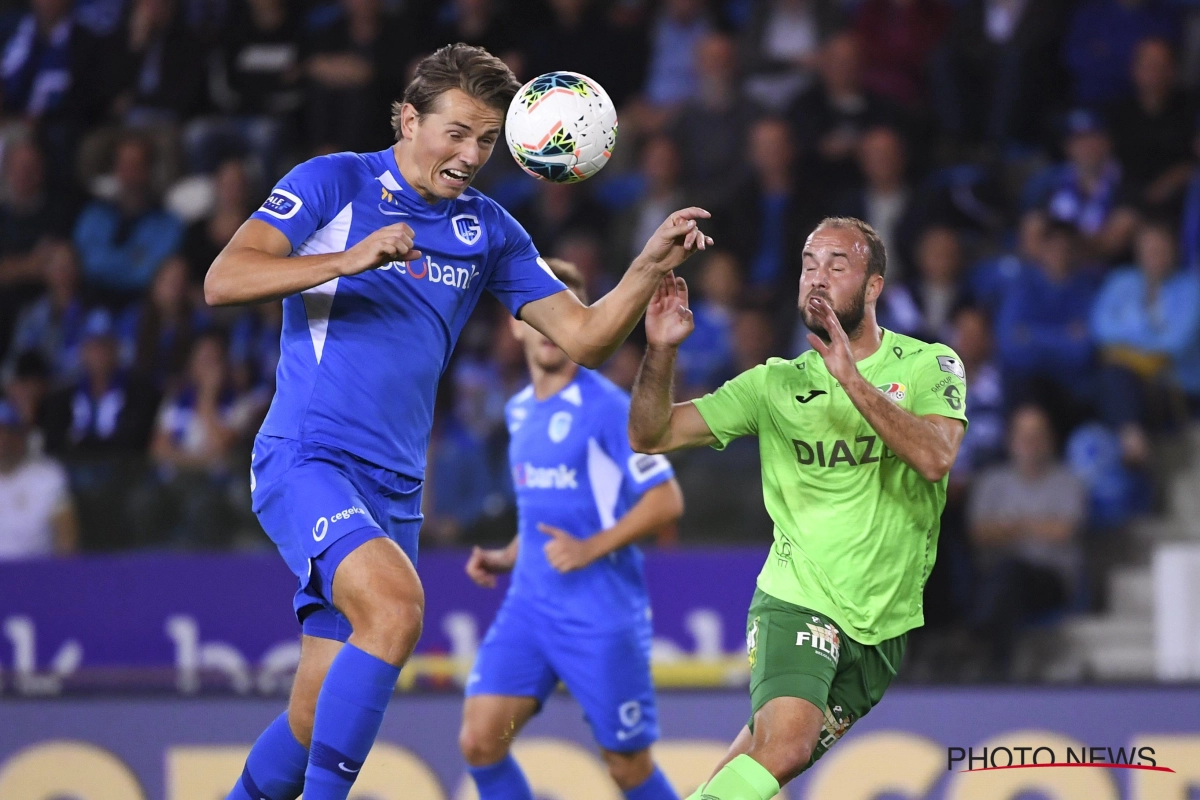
{"points": [[300, 720], [629, 770], [479, 748], [784, 758]]}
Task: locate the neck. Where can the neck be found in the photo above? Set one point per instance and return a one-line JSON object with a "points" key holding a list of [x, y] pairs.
{"points": [[866, 339], [547, 383]]}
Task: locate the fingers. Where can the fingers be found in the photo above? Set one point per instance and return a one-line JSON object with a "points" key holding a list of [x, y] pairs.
{"points": [[681, 291], [691, 212], [550, 530], [817, 344]]}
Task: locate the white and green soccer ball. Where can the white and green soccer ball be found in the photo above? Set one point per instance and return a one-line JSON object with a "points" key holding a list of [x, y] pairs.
{"points": [[561, 127]]}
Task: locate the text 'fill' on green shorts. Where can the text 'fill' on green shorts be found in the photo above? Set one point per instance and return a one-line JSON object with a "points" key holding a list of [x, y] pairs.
{"points": [[798, 652]]}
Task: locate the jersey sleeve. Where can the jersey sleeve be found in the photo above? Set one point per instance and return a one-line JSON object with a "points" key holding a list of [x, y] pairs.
{"points": [[304, 200], [732, 410], [520, 275], [939, 384], [640, 472]]}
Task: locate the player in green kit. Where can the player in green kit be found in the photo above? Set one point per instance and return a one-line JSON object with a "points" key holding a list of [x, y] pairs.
{"points": [[856, 439]]}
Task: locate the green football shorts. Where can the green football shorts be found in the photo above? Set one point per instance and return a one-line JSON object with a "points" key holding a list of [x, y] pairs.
{"points": [[798, 652]]}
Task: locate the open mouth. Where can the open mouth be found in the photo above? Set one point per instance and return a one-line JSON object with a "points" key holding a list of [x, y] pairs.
{"points": [[455, 176]]}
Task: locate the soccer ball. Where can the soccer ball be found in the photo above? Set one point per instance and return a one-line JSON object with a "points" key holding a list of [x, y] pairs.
{"points": [[561, 127]]}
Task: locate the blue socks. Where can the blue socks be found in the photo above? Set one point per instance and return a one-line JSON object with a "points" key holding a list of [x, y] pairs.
{"points": [[655, 787], [350, 709], [275, 766], [501, 781]]}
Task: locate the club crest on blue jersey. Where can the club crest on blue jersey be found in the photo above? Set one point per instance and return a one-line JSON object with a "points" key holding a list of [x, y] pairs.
{"points": [[282, 204], [560, 426], [467, 228]]}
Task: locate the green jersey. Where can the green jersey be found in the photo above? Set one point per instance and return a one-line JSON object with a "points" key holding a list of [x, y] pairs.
{"points": [[855, 527]]}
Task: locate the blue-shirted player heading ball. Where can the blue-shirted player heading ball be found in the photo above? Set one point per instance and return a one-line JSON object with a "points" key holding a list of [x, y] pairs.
{"points": [[380, 259]]}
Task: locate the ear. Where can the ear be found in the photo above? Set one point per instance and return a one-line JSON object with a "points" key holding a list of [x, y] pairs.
{"points": [[409, 120], [874, 288]]}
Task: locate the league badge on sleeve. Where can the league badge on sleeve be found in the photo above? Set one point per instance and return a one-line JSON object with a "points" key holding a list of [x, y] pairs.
{"points": [[953, 366], [282, 204]]}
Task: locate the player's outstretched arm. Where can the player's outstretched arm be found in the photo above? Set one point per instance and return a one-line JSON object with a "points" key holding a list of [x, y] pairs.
{"points": [[659, 506], [590, 334], [929, 443], [656, 425], [255, 266]]}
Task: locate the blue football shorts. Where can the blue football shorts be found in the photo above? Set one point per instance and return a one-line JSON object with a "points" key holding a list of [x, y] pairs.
{"points": [[319, 503], [527, 652]]}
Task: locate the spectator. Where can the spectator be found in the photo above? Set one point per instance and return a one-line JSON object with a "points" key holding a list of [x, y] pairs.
{"points": [[706, 357], [582, 36], [711, 127], [1025, 520], [1087, 191], [622, 367], [983, 443], [1146, 322], [672, 79], [831, 116], [556, 209], [29, 212], [108, 412], [885, 200], [1152, 127], [254, 348], [939, 289], [27, 387], [123, 242], [354, 73], [661, 194], [1100, 41], [781, 46], [29, 216], [762, 219], [584, 249], [36, 514], [37, 60], [254, 81], [53, 325], [193, 449], [898, 37], [999, 70], [166, 324], [1042, 331], [206, 237], [155, 68], [753, 339]]}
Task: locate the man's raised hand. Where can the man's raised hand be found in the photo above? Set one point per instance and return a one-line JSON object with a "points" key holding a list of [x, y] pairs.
{"points": [[668, 319], [390, 243], [676, 239]]}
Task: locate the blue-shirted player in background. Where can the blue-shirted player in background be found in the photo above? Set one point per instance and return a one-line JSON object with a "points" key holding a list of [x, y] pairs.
{"points": [[577, 609], [380, 259]]}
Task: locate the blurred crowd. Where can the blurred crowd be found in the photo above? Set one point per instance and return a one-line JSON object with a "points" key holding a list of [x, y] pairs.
{"points": [[1033, 168]]}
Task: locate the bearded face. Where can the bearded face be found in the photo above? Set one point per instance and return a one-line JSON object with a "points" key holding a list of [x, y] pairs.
{"points": [[849, 314]]}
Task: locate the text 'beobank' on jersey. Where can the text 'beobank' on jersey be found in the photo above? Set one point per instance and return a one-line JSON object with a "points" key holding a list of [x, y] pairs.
{"points": [[573, 468], [360, 356]]}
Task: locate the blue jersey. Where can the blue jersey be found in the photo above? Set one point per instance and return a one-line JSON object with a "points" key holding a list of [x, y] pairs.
{"points": [[573, 468], [360, 356]]}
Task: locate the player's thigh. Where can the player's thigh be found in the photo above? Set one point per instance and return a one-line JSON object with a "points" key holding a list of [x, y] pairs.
{"points": [[511, 661], [858, 686], [490, 723], [608, 673], [316, 654], [785, 735]]}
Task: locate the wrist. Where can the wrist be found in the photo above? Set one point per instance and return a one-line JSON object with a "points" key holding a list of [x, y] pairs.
{"points": [[644, 265], [662, 350]]}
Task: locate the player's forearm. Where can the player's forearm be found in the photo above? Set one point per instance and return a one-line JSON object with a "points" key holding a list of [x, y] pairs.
{"points": [[917, 442], [608, 322], [246, 275], [651, 400], [659, 506]]}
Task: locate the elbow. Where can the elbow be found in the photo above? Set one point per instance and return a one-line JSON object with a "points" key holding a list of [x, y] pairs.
{"points": [[589, 357], [676, 505], [645, 445], [936, 468], [214, 293]]}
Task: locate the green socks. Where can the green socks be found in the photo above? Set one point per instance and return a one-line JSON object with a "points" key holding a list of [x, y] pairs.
{"points": [[740, 779]]}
